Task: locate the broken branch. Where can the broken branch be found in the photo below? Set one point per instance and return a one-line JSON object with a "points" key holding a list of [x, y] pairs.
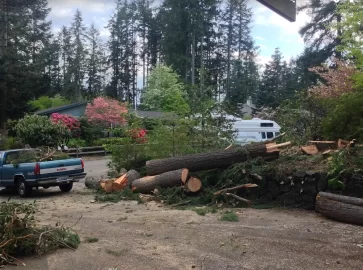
{"points": [[235, 188]]}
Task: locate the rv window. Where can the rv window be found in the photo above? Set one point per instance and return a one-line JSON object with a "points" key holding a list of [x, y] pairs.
{"points": [[270, 135], [267, 124], [263, 135]]}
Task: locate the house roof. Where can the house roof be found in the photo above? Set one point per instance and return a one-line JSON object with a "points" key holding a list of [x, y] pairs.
{"points": [[60, 108]]}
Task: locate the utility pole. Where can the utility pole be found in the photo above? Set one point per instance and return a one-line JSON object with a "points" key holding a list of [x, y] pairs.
{"points": [[3, 66]]}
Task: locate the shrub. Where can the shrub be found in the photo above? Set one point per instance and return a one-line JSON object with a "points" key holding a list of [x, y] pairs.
{"points": [[72, 123], [76, 143], [230, 216], [106, 112], [344, 119], [88, 131], [38, 130]]}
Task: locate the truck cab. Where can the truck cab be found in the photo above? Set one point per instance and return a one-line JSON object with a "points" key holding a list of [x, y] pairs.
{"points": [[23, 177]]}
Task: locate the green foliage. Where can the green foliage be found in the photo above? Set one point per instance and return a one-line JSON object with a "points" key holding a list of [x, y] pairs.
{"points": [[164, 92], [229, 216], [117, 196], [76, 143], [301, 118], [12, 143], [38, 130], [45, 102], [88, 131], [20, 235], [344, 119]]}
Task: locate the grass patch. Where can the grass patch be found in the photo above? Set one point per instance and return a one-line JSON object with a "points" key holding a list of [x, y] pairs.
{"points": [[115, 197], [205, 210], [229, 216], [117, 253], [91, 240]]}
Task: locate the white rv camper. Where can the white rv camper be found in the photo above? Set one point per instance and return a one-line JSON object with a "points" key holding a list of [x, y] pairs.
{"points": [[255, 130]]}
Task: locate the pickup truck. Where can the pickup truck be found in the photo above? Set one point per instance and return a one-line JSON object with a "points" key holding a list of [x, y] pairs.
{"points": [[24, 177]]}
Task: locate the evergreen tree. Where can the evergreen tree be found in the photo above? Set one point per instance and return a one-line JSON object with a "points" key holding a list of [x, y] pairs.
{"points": [[271, 86], [318, 33], [95, 63], [77, 66]]}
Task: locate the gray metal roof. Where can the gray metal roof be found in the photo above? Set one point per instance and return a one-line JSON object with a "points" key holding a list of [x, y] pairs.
{"points": [[60, 108]]}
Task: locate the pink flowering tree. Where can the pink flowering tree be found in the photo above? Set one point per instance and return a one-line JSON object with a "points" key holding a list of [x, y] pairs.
{"points": [[106, 112], [72, 123]]}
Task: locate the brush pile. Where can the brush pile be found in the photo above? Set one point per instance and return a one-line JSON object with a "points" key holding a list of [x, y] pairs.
{"points": [[20, 235], [184, 171]]}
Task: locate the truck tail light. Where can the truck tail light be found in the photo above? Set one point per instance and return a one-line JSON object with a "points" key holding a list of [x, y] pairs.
{"points": [[82, 162], [37, 169]]}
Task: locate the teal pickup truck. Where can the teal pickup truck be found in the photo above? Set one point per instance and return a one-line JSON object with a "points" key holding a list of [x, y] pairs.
{"points": [[23, 177]]}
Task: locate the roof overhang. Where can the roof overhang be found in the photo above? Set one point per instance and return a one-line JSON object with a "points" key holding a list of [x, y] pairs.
{"points": [[285, 8]]}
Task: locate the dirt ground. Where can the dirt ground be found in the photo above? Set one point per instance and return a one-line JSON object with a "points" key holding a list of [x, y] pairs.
{"points": [[151, 236]]}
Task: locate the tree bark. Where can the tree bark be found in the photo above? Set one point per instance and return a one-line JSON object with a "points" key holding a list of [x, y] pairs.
{"points": [[207, 161], [340, 208], [165, 180], [132, 175]]}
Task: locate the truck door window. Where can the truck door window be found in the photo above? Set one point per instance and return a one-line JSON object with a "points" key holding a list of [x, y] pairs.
{"points": [[270, 135], [263, 135], [11, 157]]}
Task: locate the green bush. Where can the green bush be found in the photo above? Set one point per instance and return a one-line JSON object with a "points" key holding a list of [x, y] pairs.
{"points": [[12, 143], [129, 155], [344, 119], [45, 102], [76, 143], [38, 130], [89, 132], [110, 141]]}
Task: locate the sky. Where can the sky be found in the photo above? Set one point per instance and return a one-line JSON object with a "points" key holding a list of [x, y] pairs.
{"points": [[269, 29]]}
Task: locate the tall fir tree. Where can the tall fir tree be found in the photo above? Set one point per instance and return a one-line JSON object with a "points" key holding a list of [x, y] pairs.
{"points": [[77, 66]]}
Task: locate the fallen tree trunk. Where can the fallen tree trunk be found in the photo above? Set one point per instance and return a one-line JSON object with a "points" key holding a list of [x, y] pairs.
{"points": [[169, 179], [193, 185], [213, 160], [340, 208]]}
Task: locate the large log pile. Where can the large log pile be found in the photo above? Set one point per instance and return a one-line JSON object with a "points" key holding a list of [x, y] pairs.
{"points": [[340, 208], [171, 172]]}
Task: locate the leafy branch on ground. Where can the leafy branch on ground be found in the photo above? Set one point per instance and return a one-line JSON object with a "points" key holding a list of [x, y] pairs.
{"points": [[20, 235]]}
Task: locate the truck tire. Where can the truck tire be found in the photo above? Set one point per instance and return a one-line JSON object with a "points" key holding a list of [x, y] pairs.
{"points": [[22, 188], [66, 187]]}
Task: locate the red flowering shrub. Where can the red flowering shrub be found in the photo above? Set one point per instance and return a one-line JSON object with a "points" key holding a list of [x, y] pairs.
{"points": [[72, 123], [138, 134], [105, 111]]}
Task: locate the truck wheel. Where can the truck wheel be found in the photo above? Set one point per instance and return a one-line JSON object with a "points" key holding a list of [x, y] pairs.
{"points": [[66, 187], [22, 188]]}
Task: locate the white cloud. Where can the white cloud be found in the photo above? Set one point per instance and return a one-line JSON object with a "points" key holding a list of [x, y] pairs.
{"points": [[263, 60]]}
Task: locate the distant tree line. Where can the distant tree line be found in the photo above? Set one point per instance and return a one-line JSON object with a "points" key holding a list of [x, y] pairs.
{"points": [[208, 43]]}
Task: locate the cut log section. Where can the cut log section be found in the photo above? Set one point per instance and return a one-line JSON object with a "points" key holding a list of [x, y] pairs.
{"points": [[107, 185], [120, 183], [132, 175], [340, 208], [310, 150], [213, 160], [193, 185], [169, 179]]}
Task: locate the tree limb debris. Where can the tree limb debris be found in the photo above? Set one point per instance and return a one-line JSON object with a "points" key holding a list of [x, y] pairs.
{"points": [[235, 188], [238, 198]]}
